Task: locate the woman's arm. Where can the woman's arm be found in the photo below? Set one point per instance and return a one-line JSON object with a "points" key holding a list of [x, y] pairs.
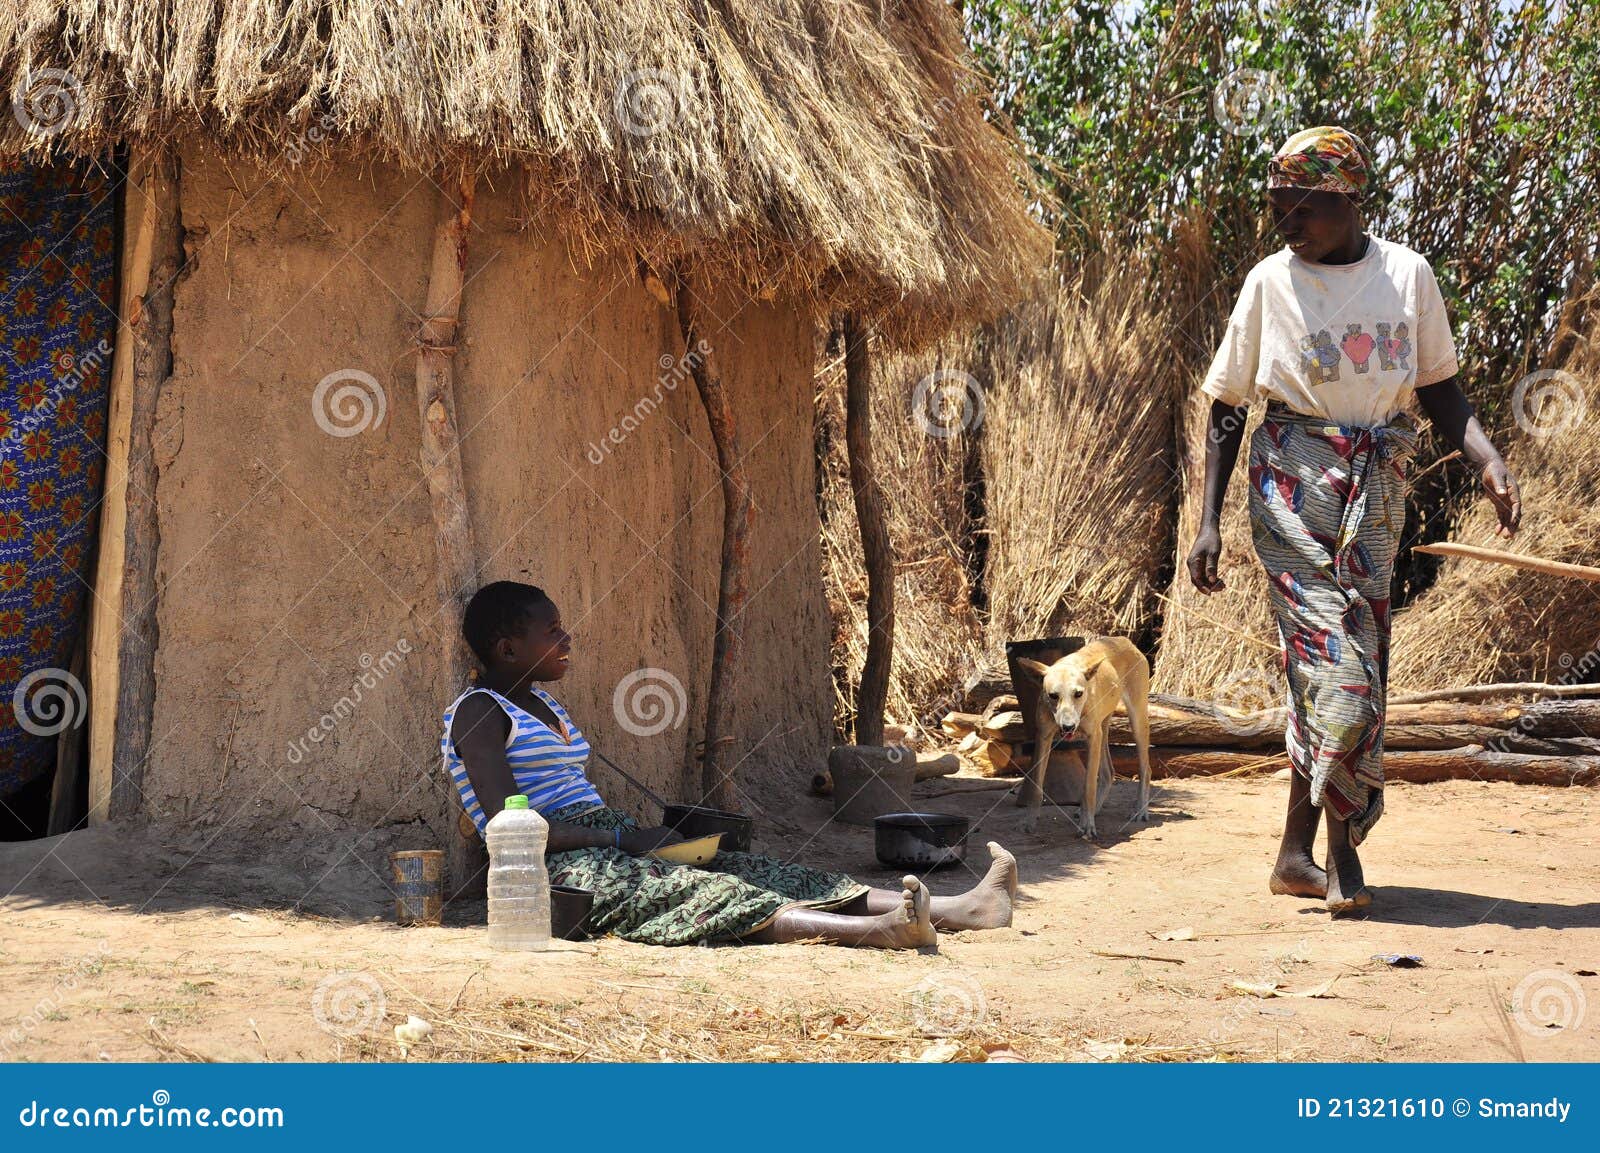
{"points": [[1222, 450], [1453, 419]]}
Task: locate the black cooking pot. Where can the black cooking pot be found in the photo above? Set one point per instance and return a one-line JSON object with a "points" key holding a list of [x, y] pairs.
{"points": [[920, 840], [569, 909], [702, 821]]}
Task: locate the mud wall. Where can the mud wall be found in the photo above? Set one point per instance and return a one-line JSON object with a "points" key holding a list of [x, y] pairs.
{"points": [[299, 676]]}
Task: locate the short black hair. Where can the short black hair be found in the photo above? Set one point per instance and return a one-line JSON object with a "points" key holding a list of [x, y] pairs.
{"points": [[498, 610]]}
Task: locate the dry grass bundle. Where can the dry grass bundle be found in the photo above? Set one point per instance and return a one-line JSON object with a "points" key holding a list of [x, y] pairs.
{"points": [[1224, 645], [1068, 478], [1078, 461], [835, 147], [1485, 623], [937, 633]]}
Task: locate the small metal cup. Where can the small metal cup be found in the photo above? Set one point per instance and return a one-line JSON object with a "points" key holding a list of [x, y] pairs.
{"points": [[418, 886]]}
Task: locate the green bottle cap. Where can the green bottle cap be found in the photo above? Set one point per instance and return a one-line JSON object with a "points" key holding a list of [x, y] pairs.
{"points": [[517, 802]]}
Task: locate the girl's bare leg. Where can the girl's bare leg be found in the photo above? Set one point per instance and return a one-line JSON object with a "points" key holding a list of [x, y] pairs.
{"points": [[987, 905], [906, 926]]}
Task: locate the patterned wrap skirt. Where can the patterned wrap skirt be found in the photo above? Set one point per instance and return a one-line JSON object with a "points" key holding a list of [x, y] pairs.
{"points": [[1327, 505], [659, 903]]}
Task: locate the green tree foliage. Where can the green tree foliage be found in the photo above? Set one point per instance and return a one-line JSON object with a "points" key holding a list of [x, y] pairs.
{"points": [[1152, 124]]}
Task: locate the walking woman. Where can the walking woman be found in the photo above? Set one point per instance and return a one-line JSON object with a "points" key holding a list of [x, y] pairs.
{"points": [[1339, 332]]}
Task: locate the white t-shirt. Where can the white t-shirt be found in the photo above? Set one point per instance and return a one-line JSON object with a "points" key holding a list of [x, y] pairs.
{"points": [[1348, 342]]}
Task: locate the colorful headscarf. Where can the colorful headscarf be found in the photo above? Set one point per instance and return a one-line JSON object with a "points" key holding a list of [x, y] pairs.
{"points": [[1326, 159]]}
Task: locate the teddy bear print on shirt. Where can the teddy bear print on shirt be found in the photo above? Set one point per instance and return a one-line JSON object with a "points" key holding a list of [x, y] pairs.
{"points": [[1320, 356], [1358, 347], [1393, 350]]}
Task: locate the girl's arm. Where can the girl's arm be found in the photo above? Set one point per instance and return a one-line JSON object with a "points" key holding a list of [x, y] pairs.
{"points": [[1453, 419], [480, 729], [1222, 450]]}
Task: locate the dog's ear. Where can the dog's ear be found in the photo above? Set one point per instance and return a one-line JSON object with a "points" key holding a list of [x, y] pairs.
{"points": [[1033, 666]]}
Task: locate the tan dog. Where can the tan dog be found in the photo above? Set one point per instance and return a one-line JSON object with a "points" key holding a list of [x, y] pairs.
{"points": [[1080, 693]]}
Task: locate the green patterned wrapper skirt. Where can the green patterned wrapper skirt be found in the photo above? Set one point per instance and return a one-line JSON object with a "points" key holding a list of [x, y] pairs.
{"points": [[659, 903]]}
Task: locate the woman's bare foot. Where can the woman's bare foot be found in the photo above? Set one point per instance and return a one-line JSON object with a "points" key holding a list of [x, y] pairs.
{"points": [[1347, 888], [1297, 873], [987, 905], [1298, 876]]}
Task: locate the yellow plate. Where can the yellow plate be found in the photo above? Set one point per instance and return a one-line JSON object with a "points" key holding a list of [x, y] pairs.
{"points": [[695, 852]]}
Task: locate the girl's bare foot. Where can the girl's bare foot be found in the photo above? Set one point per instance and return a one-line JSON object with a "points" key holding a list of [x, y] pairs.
{"points": [[911, 925], [907, 924], [987, 905], [1297, 875]]}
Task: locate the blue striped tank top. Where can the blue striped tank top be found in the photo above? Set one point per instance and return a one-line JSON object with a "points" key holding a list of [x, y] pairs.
{"points": [[547, 767]]}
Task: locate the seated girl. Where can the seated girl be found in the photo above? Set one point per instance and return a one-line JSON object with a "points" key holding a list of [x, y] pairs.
{"points": [[506, 736]]}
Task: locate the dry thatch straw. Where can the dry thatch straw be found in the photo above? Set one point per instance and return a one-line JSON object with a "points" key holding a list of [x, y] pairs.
{"points": [[937, 635], [1488, 623], [1074, 449], [802, 145], [1223, 646], [1078, 461]]}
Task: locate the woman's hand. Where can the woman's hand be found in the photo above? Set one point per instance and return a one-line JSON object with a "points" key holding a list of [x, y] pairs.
{"points": [[1222, 450], [1453, 419], [637, 842], [1506, 495], [1203, 559]]}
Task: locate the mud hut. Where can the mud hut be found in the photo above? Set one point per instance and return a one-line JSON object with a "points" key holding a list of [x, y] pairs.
{"points": [[417, 294]]}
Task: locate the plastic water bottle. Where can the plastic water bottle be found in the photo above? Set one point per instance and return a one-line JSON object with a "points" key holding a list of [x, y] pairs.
{"points": [[519, 883]]}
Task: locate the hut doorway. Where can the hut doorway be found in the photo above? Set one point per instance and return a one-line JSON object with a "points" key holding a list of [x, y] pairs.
{"points": [[58, 325]]}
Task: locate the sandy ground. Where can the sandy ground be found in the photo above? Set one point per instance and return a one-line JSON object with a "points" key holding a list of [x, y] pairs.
{"points": [[141, 944]]}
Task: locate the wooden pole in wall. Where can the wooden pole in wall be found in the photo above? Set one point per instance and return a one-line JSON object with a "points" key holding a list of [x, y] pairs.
{"points": [[738, 515], [454, 549], [123, 629], [873, 693]]}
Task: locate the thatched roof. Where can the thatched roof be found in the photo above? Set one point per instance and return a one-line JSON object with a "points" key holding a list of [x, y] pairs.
{"points": [[831, 144]]}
